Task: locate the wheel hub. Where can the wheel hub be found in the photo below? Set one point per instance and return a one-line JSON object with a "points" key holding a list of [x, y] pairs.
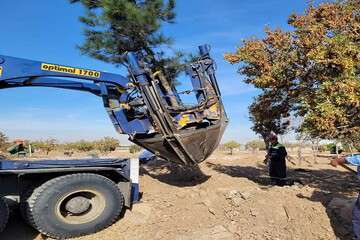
{"points": [[78, 205]]}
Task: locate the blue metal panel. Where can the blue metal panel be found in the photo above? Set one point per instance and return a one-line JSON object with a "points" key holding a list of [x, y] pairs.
{"points": [[138, 71], [132, 127], [55, 82], [46, 164]]}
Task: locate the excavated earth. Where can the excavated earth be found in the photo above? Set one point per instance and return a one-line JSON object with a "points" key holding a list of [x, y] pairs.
{"points": [[229, 197]]}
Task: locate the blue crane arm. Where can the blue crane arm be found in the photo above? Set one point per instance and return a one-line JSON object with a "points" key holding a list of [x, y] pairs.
{"points": [[144, 105], [16, 68], [51, 82], [18, 72]]}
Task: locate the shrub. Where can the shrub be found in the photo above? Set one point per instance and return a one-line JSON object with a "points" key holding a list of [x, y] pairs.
{"points": [[323, 148], [45, 146], [134, 148], [231, 145], [106, 144], [83, 146]]}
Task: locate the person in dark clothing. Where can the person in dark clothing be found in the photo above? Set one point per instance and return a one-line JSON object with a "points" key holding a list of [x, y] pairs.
{"points": [[276, 159]]}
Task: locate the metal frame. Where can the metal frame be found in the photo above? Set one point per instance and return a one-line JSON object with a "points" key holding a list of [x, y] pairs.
{"points": [[18, 176]]}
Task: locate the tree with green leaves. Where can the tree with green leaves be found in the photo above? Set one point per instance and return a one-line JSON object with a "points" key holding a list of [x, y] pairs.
{"points": [[114, 27], [311, 72], [231, 145]]}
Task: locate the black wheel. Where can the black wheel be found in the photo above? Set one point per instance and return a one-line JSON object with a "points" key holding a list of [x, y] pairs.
{"points": [[4, 214], [74, 205]]}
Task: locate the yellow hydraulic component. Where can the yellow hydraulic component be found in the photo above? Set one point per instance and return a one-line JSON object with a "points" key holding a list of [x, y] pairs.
{"points": [[155, 74], [214, 108], [185, 119], [121, 90], [125, 106]]}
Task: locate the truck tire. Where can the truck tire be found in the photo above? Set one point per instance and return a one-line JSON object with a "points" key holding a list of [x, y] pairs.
{"points": [[74, 205], [4, 214], [24, 206]]}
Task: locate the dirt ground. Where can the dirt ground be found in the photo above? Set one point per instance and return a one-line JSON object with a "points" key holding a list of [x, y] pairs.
{"points": [[229, 197]]}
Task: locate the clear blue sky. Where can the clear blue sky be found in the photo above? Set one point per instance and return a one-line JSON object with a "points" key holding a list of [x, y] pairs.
{"points": [[50, 30]]}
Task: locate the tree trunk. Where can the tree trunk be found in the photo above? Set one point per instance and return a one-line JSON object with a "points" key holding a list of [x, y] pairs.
{"points": [[351, 148], [169, 92], [315, 149], [300, 148], [265, 138]]}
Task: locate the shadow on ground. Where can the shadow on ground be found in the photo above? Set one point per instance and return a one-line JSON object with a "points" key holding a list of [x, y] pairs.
{"points": [[328, 180], [174, 174], [340, 224], [17, 229], [255, 174], [329, 184]]}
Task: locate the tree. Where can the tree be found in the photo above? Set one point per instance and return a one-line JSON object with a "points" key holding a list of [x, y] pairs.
{"points": [[83, 146], [268, 117], [3, 142], [114, 27], [134, 149], [46, 146], [231, 145], [311, 72], [106, 144], [255, 144]]}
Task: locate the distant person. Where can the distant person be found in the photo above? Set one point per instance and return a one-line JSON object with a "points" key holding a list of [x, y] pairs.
{"points": [[353, 160], [276, 160]]}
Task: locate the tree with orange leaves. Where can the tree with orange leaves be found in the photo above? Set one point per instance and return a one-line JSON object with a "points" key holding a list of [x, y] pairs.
{"points": [[312, 72]]}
